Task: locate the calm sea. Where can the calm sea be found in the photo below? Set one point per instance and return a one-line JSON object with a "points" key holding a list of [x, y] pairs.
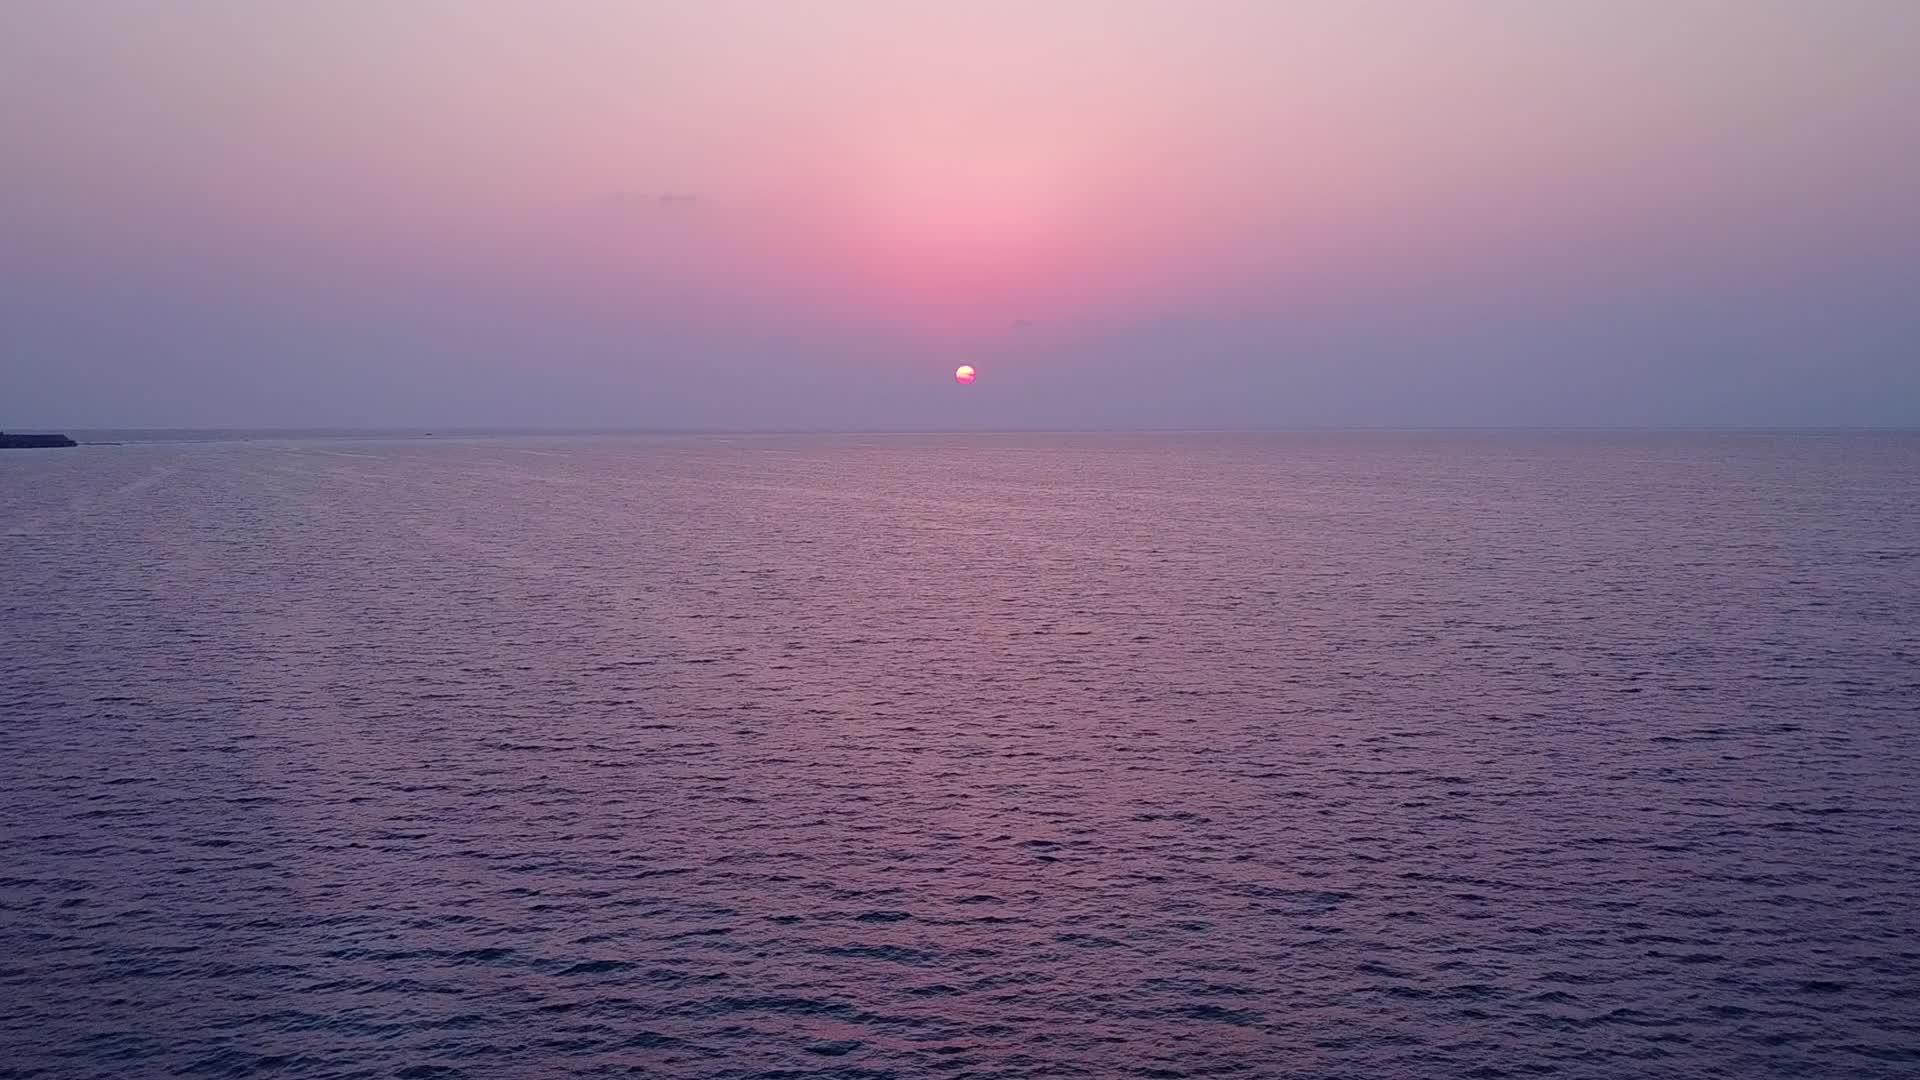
{"points": [[1330, 756]]}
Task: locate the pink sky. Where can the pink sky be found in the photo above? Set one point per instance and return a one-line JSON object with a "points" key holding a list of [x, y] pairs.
{"points": [[852, 185]]}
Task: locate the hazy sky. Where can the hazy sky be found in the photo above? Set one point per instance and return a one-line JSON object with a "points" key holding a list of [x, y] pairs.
{"points": [[806, 213]]}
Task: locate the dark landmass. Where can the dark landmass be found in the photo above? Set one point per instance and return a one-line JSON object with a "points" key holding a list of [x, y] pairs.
{"points": [[25, 442]]}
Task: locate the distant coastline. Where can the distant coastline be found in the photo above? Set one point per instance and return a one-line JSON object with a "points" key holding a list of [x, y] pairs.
{"points": [[16, 441]]}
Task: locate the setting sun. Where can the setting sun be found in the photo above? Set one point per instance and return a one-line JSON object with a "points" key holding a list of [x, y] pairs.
{"points": [[964, 375]]}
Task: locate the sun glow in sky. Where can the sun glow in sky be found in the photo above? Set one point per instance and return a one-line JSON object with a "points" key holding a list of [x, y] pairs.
{"points": [[737, 213]]}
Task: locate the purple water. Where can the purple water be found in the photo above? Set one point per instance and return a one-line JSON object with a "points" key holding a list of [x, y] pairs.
{"points": [[962, 756]]}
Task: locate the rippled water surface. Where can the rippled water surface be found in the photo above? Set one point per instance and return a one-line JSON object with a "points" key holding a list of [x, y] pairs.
{"points": [[968, 756]]}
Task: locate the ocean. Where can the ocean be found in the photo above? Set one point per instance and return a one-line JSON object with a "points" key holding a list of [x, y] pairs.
{"points": [[1328, 755]]}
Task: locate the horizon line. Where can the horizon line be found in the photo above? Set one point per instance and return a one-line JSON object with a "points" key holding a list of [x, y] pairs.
{"points": [[470, 430]]}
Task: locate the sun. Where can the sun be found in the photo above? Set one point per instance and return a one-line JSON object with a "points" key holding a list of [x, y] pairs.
{"points": [[964, 375]]}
